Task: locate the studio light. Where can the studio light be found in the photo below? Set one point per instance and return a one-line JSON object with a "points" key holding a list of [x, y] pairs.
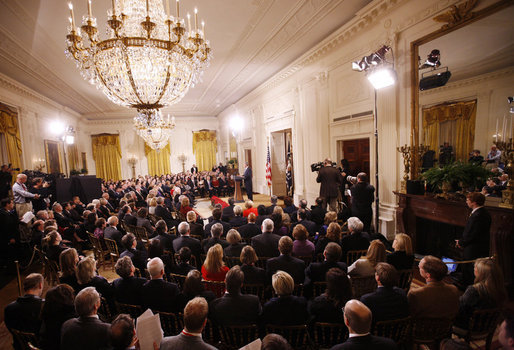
{"points": [[382, 77], [433, 60]]}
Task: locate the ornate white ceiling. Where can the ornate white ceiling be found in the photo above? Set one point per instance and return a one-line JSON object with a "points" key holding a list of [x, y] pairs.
{"points": [[251, 41]]}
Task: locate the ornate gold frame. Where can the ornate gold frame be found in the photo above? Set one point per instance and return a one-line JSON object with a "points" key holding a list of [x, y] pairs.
{"points": [[456, 17], [59, 152]]}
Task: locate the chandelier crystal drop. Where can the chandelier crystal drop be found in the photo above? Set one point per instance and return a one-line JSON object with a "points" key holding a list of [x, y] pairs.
{"points": [[149, 58], [154, 129]]}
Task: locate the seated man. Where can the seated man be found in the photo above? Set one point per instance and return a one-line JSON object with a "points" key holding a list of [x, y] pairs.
{"points": [[437, 299], [357, 317], [184, 240], [285, 262], [216, 232], [183, 267], [158, 294], [23, 313], [123, 333], [86, 331], [388, 302], [251, 229], [112, 232], [216, 219], [238, 220], [316, 271], [506, 334], [195, 318], [266, 244], [127, 288], [235, 308], [303, 220], [138, 256]]}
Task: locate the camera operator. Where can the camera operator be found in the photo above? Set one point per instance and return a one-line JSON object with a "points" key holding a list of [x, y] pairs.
{"points": [[363, 195], [5, 180], [40, 187], [330, 179]]}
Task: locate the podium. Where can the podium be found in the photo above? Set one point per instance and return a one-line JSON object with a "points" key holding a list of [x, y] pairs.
{"points": [[238, 194]]}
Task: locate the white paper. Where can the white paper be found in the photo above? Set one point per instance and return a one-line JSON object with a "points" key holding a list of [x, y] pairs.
{"points": [[148, 330], [255, 345]]}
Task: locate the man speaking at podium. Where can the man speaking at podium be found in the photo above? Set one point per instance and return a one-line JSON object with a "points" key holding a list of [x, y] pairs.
{"points": [[247, 175]]}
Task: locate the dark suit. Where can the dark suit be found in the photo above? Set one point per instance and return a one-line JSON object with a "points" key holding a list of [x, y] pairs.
{"points": [[113, 233], [387, 303], [227, 213], [293, 266], [316, 272], [128, 290], [196, 229], [85, 333], [266, 244], [285, 311], [363, 195], [183, 341], [238, 221], [318, 215], [160, 295], [207, 243], [182, 268], [190, 242], [253, 274], [207, 230], [130, 219], [235, 309], [248, 182], [400, 260], [138, 257], [309, 225], [367, 342], [165, 214], [353, 241], [249, 230], [330, 179], [166, 241], [144, 222], [233, 250], [323, 309], [23, 314]]}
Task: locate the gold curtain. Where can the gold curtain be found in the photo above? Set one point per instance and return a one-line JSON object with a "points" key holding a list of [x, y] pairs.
{"points": [[107, 156], [158, 161], [464, 114], [204, 148], [73, 157], [9, 127]]}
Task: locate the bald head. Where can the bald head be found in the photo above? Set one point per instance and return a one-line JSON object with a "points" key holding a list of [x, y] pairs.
{"points": [[357, 317]]}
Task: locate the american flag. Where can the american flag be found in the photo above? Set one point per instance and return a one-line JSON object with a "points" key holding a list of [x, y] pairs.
{"points": [[268, 169]]}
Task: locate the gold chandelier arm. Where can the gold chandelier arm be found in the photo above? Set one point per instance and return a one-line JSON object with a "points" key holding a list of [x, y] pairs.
{"points": [[129, 73]]}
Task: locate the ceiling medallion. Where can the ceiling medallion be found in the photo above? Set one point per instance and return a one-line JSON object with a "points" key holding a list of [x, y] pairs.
{"points": [[149, 59]]}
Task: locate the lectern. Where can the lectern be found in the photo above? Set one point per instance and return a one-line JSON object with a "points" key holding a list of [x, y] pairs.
{"points": [[238, 195]]}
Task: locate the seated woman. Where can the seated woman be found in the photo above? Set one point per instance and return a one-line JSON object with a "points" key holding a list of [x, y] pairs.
{"points": [[192, 288], [278, 226], [333, 235], [249, 209], [213, 268], [99, 231], [57, 309], [54, 245], [328, 306], [253, 274], [488, 291], [152, 204], [402, 258], [68, 261], [330, 217], [235, 246], [285, 309], [87, 277], [302, 246], [365, 266]]}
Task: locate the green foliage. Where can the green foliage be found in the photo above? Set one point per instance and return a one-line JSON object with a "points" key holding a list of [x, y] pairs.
{"points": [[74, 172], [469, 175], [83, 171]]}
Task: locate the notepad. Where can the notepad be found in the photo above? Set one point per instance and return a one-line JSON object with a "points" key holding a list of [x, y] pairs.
{"points": [[148, 330]]}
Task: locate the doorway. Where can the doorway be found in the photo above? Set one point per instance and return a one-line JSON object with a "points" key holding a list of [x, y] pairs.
{"points": [[281, 163], [356, 152], [248, 157]]}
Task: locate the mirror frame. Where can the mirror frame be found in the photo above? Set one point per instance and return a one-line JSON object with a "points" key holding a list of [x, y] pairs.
{"points": [[458, 16]]}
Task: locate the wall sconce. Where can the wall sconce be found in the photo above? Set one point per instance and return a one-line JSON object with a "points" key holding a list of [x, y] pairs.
{"points": [[132, 160]]}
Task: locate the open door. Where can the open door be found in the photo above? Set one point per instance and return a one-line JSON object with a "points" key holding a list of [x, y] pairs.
{"points": [[278, 152]]}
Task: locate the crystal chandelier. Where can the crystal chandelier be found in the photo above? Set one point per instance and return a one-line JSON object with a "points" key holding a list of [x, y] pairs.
{"points": [[154, 129], [148, 60]]}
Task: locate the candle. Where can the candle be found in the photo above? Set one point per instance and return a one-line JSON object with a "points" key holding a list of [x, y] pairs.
{"points": [[510, 130], [113, 8], [70, 5], [89, 12], [504, 129], [189, 22], [203, 28], [496, 134], [178, 12], [147, 8], [168, 8], [196, 18]]}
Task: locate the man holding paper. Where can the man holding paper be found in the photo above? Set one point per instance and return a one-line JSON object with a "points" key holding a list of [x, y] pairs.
{"points": [[195, 317]]}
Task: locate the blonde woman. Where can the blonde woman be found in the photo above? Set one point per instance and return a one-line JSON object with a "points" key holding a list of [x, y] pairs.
{"points": [[152, 205], [68, 261], [365, 266], [87, 277], [213, 268], [402, 258], [235, 246], [487, 292]]}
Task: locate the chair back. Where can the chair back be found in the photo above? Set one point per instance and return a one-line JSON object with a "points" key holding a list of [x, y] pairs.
{"points": [[363, 285], [172, 324], [112, 247], [232, 261], [353, 255], [261, 262], [97, 248], [217, 287], [133, 310], [131, 229], [210, 333], [50, 268], [431, 330], [141, 235], [306, 258], [484, 322], [192, 260], [254, 289], [397, 330], [171, 231], [153, 218], [405, 279], [237, 336], [24, 338], [178, 279], [296, 336], [319, 288], [327, 335], [104, 311]]}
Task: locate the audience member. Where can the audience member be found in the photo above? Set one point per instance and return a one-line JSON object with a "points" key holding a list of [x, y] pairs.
{"points": [[274, 341], [328, 306], [318, 212], [157, 294], [213, 268], [365, 266], [356, 240], [195, 228], [193, 287], [57, 309], [235, 246], [403, 257], [186, 241], [68, 261], [252, 273], [250, 209], [87, 331], [388, 302], [266, 244], [316, 271], [251, 229], [436, 298], [234, 308], [123, 333], [138, 255], [285, 262], [303, 220], [228, 212], [216, 219], [506, 334], [112, 232], [87, 277], [142, 221], [357, 317], [216, 232], [127, 288], [183, 265], [195, 318], [333, 235], [55, 247], [285, 309], [302, 246]]}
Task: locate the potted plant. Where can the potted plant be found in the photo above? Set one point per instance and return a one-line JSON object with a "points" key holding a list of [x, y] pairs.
{"points": [[83, 171], [74, 172], [232, 163]]}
